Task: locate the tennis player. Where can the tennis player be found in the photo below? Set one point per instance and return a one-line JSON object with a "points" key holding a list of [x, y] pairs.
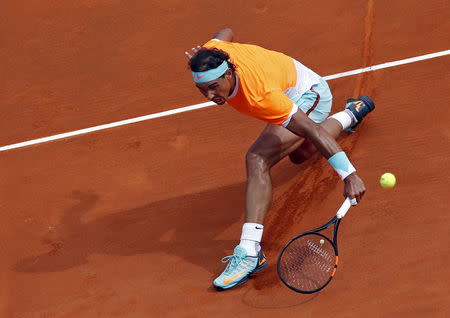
{"points": [[295, 102]]}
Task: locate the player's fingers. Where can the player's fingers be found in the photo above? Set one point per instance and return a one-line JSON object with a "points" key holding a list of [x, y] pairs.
{"points": [[362, 194], [353, 201], [357, 197], [189, 56], [196, 49]]}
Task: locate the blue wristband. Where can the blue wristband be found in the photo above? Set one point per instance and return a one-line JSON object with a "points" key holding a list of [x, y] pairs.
{"points": [[339, 161]]}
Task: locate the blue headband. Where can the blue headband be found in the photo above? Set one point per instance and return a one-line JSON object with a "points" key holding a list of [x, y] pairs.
{"points": [[210, 75]]}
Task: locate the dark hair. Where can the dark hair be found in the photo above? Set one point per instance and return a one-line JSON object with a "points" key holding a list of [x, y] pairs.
{"points": [[207, 59]]}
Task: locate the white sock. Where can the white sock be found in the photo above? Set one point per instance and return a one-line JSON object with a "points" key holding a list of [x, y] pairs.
{"points": [[345, 118], [251, 237]]}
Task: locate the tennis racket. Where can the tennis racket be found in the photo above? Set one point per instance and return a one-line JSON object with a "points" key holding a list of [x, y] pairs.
{"points": [[309, 261]]}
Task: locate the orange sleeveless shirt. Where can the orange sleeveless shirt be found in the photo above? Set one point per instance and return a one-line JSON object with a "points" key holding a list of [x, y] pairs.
{"points": [[263, 76]]}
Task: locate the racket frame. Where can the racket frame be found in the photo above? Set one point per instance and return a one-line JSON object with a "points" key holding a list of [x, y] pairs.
{"points": [[336, 220]]}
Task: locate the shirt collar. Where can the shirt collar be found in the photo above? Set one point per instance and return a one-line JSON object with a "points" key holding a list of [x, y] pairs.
{"points": [[236, 86]]}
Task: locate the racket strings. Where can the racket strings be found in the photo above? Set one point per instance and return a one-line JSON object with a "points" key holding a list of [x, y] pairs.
{"points": [[308, 262]]}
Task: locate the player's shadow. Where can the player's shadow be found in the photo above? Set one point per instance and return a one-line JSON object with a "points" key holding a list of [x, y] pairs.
{"points": [[188, 226], [185, 226]]}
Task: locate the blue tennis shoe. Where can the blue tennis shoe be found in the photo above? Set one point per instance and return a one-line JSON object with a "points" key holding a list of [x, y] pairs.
{"points": [[240, 266]]}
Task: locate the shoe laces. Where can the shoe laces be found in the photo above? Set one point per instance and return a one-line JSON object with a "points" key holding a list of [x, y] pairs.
{"points": [[233, 262]]}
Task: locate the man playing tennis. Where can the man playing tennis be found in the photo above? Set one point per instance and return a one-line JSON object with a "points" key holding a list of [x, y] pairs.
{"points": [[295, 102]]}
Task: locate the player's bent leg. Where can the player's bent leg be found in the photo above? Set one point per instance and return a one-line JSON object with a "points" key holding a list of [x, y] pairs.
{"points": [[273, 144]]}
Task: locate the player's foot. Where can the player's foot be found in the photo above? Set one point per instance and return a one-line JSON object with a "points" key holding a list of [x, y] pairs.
{"points": [[359, 107], [240, 266]]}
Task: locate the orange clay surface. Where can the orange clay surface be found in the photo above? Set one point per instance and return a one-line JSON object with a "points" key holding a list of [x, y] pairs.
{"points": [[133, 221]]}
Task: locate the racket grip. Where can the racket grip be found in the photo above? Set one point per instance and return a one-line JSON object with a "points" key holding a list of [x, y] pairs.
{"points": [[343, 209]]}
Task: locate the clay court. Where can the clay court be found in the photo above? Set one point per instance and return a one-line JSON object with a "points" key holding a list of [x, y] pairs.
{"points": [[132, 221]]}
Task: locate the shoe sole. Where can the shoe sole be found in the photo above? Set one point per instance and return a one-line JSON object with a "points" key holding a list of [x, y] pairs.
{"points": [[245, 278]]}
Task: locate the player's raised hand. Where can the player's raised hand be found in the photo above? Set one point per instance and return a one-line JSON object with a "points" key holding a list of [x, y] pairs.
{"points": [[194, 51]]}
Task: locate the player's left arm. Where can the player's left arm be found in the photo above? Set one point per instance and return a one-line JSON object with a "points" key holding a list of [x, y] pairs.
{"points": [[303, 126]]}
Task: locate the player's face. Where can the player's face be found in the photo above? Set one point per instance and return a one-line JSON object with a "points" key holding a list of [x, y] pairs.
{"points": [[217, 90]]}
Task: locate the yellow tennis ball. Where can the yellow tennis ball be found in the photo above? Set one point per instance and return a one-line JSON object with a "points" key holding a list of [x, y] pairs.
{"points": [[387, 180]]}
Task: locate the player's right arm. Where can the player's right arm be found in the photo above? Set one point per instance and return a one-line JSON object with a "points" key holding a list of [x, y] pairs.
{"points": [[224, 35], [301, 125]]}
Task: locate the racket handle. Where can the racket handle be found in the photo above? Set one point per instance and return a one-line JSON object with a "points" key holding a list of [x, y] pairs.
{"points": [[343, 209]]}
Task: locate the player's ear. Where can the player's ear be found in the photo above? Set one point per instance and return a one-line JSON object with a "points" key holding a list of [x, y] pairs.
{"points": [[228, 74]]}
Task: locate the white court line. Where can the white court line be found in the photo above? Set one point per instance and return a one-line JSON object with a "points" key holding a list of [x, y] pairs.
{"points": [[208, 104]]}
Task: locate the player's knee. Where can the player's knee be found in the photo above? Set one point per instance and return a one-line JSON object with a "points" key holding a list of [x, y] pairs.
{"points": [[256, 162]]}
